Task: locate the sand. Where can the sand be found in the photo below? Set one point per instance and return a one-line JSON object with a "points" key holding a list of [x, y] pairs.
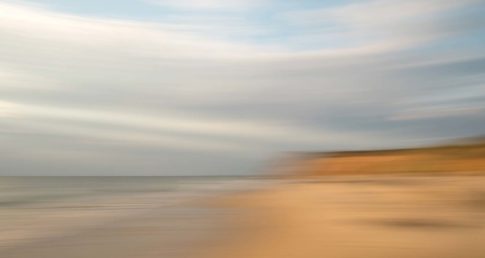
{"points": [[368, 216], [346, 216]]}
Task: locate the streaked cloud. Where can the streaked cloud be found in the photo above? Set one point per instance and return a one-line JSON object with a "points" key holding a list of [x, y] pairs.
{"points": [[213, 80], [385, 23], [207, 4], [167, 123]]}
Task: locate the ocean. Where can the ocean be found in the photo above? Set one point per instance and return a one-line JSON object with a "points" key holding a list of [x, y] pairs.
{"points": [[36, 211]]}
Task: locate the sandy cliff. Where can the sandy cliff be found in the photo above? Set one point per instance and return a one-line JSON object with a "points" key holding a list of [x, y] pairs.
{"points": [[464, 157]]}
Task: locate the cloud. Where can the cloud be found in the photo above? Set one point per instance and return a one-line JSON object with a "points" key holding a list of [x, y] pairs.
{"points": [[163, 123], [394, 24], [94, 33], [207, 4], [437, 112], [118, 95]]}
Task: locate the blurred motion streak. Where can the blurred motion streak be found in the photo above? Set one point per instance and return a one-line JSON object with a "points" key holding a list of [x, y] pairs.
{"points": [[242, 129]]}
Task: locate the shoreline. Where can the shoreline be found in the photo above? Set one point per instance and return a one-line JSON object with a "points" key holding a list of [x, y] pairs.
{"points": [[347, 216], [154, 224]]}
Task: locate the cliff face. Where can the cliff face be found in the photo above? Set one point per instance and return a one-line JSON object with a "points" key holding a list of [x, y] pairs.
{"points": [[445, 159]]}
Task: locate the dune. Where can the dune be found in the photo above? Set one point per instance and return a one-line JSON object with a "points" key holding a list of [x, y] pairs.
{"points": [[419, 203], [456, 158]]}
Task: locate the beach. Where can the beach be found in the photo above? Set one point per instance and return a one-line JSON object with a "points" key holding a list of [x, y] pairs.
{"points": [[82, 217], [363, 216], [334, 216], [242, 129]]}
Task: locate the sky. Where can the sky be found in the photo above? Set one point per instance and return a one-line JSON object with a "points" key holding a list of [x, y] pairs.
{"points": [[224, 87]]}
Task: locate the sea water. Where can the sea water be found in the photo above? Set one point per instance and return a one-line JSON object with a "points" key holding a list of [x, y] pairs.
{"points": [[36, 210]]}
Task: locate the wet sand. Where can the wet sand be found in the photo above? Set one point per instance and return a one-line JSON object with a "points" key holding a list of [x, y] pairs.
{"points": [[111, 217], [170, 231]]}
